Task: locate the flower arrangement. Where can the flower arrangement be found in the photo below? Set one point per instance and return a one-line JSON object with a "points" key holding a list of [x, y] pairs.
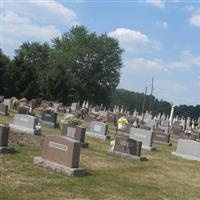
{"points": [[74, 121], [122, 121]]}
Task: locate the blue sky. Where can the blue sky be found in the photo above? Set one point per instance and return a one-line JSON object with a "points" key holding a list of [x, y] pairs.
{"points": [[161, 38]]}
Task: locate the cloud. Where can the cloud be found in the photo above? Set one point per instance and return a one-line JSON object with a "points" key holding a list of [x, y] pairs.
{"points": [[157, 3], [132, 40], [195, 20], [141, 64], [162, 24], [33, 21]]}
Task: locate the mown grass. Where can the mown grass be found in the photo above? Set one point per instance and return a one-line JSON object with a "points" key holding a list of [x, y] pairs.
{"points": [[162, 177]]}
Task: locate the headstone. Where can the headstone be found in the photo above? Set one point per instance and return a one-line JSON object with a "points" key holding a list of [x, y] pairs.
{"points": [[1, 99], [127, 147], [161, 137], [61, 109], [61, 154], [4, 132], [75, 106], [26, 123], [34, 103], [7, 102], [3, 109], [45, 104], [99, 130], [188, 149], [77, 133], [188, 125], [144, 136], [111, 117], [23, 110], [49, 117]]}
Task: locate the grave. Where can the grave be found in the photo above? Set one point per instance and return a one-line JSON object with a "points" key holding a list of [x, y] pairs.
{"points": [[23, 110], [1, 99], [49, 118], [3, 109], [127, 147], [111, 117], [160, 137], [144, 136], [188, 149], [7, 102], [4, 132], [77, 133], [98, 130], [45, 104], [26, 123], [61, 154]]}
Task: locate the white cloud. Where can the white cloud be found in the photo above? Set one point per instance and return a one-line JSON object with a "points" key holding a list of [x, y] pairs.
{"points": [[162, 24], [132, 40], [33, 21], [195, 20], [157, 3], [141, 64]]}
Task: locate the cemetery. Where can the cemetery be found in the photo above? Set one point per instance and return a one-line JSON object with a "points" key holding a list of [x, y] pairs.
{"points": [[99, 100], [41, 154]]}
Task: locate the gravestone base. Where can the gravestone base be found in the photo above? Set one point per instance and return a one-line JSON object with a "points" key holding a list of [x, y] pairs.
{"points": [[164, 143], [103, 137], [188, 157], [58, 167], [148, 148], [16, 128], [7, 150], [125, 155], [50, 124], [4, 114], [84, 145]]}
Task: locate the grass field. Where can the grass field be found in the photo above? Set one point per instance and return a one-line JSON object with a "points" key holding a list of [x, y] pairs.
{"points": [[163, 176]]}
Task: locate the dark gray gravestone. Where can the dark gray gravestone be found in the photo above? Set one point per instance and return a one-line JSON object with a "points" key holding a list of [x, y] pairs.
{"points": [[144, 136], [4, 132], [49, 117], [23, 110], [61, 154], [77, 133], [98, 130], [161, 137], [188, 149], [3, 109], [25, 123], [34, 103], [111, 117], [127, 147]]}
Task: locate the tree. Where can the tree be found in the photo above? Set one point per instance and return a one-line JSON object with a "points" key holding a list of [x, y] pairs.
{"points": [[93, 61]]}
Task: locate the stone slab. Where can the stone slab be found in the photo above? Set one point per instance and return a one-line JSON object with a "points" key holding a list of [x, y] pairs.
{"points": [[188, 149], [7, 150], [103, 137], [125, 155], [59, 168]]}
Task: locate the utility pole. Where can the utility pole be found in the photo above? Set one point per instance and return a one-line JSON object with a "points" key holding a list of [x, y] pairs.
{"points": [[144, 100], [150, 100]]}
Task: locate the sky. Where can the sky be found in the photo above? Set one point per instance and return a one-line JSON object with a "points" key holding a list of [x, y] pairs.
{"points": [[160, 38]]}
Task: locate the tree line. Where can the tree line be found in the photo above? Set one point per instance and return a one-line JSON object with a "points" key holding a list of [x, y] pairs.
{"points": [[80, 65]]}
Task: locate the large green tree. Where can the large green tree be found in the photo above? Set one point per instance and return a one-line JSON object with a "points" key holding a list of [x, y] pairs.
{"points": [[94, 62]]}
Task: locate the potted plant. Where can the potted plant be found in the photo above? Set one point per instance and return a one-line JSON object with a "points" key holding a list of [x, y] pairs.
{"points": [[122, 123]]}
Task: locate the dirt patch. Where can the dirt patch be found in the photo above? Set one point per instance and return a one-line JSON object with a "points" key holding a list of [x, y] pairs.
{"points": [[16, 137]]}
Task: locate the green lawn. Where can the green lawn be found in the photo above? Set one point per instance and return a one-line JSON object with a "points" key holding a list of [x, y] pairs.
{"points": [[163, 176]]}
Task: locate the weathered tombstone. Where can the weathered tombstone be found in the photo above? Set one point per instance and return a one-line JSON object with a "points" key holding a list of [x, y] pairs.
{"points": [[188, 149], [161, 137], [144, 136], [127, 147], [77, 133], [1, 99], [7, 102], [75, 106], [61, 109], [99, 130], [49, 117], [4, 132], [111, 117], [61, 154], [26, 123], [3, 109], [188, 124], [23, 110], [45, 104], [34, 103]]}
